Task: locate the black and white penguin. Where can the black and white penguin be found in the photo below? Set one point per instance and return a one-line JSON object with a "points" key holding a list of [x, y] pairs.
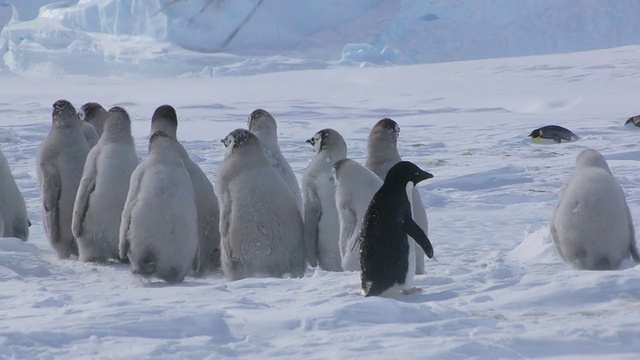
{"points": [[553, 134], [385, 260]]}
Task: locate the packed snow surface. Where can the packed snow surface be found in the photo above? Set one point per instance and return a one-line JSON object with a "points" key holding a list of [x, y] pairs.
{"points": [[495, 289], [212, 37]]}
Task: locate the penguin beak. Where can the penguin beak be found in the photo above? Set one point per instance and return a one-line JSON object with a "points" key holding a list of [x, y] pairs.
{"points": [[311, 141], [425, 175]]}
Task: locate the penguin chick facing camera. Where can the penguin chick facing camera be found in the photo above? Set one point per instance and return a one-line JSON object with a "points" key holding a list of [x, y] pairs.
{"points": [[551, 134], [386, 261]]}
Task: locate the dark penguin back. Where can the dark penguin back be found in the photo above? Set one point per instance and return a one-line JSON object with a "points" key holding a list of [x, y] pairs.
{"points": [[384, 246]]}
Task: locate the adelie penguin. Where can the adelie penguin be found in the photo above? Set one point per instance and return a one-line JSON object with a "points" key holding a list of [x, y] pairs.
{"points": [[386, 261], [553, 134]]}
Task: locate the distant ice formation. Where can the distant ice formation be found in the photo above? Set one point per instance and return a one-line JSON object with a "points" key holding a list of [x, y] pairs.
{"points": [[196, 37]]}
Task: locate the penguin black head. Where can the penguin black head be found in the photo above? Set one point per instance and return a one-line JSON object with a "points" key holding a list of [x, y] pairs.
{"points": [[237, 139], [388, 127], [328, 139], [63, 109], [117, 116], [260, 119], [536, 133], [165, 113], [157, 136], [90, 110], [405, 172]]}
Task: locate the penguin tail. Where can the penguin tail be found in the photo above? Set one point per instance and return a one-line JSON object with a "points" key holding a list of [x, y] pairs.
{"points": [[147, 266]]}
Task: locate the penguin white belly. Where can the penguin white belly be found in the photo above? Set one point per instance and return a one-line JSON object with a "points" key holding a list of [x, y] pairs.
{"points": [[411, 270]]}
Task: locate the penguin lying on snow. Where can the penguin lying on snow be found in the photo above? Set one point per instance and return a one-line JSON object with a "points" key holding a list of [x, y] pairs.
{"points": [[387, 258], [633, 121], [553, 134]]}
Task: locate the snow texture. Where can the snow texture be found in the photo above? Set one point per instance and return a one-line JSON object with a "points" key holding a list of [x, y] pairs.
{"points": [[496, 288]]}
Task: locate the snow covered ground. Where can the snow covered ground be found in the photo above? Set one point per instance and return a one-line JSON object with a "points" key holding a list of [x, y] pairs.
{"points": [[496, 289]]}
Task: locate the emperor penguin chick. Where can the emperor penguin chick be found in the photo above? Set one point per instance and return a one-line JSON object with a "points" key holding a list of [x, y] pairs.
{"points": [[165, 119], [264, 127], [382, 154], [12, 206], [260, 225], [103, 189], [591, 226], [321, 222], [60, 161], [355, 187], [159, 226]]}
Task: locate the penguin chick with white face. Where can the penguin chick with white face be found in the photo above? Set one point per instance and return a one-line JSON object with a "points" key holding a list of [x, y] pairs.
{"points": [[264, 127], [382, 154], [60, 161], [103, 189], [355, 187], [159, 229], [592, 226], [88, 130], [260, 225], [165, 119], [321, 222], [94, 114], [13, 209], [386, 260]]}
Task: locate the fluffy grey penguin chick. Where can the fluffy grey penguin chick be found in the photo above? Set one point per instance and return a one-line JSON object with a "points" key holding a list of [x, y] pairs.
{"points": [[103, 189], [159, 229], [591, 225], [382, 154], [264, 127], [165, 119], [12, 206], [321, 222], [260, 224], [60, 161]]}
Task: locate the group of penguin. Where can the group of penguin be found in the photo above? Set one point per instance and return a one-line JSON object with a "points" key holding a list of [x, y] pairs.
{"points": [[164, 217], [591, 226]]}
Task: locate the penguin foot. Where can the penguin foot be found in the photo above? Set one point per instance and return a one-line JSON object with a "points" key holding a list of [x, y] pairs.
{"points": [[413, 290]]}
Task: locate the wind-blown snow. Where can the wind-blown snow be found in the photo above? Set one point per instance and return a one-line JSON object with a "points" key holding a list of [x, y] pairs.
{"points": [[496, 288], [167, 38]]}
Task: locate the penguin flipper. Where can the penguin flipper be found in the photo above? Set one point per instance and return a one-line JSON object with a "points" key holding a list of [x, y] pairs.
{"points": [[312, 214], [347, 228], [125, 219], [412, 229], [633, 247], [51, 189], [81, 205]]}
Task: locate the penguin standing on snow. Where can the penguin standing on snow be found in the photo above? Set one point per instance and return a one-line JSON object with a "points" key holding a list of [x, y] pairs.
{"points": [[386, 261]]}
